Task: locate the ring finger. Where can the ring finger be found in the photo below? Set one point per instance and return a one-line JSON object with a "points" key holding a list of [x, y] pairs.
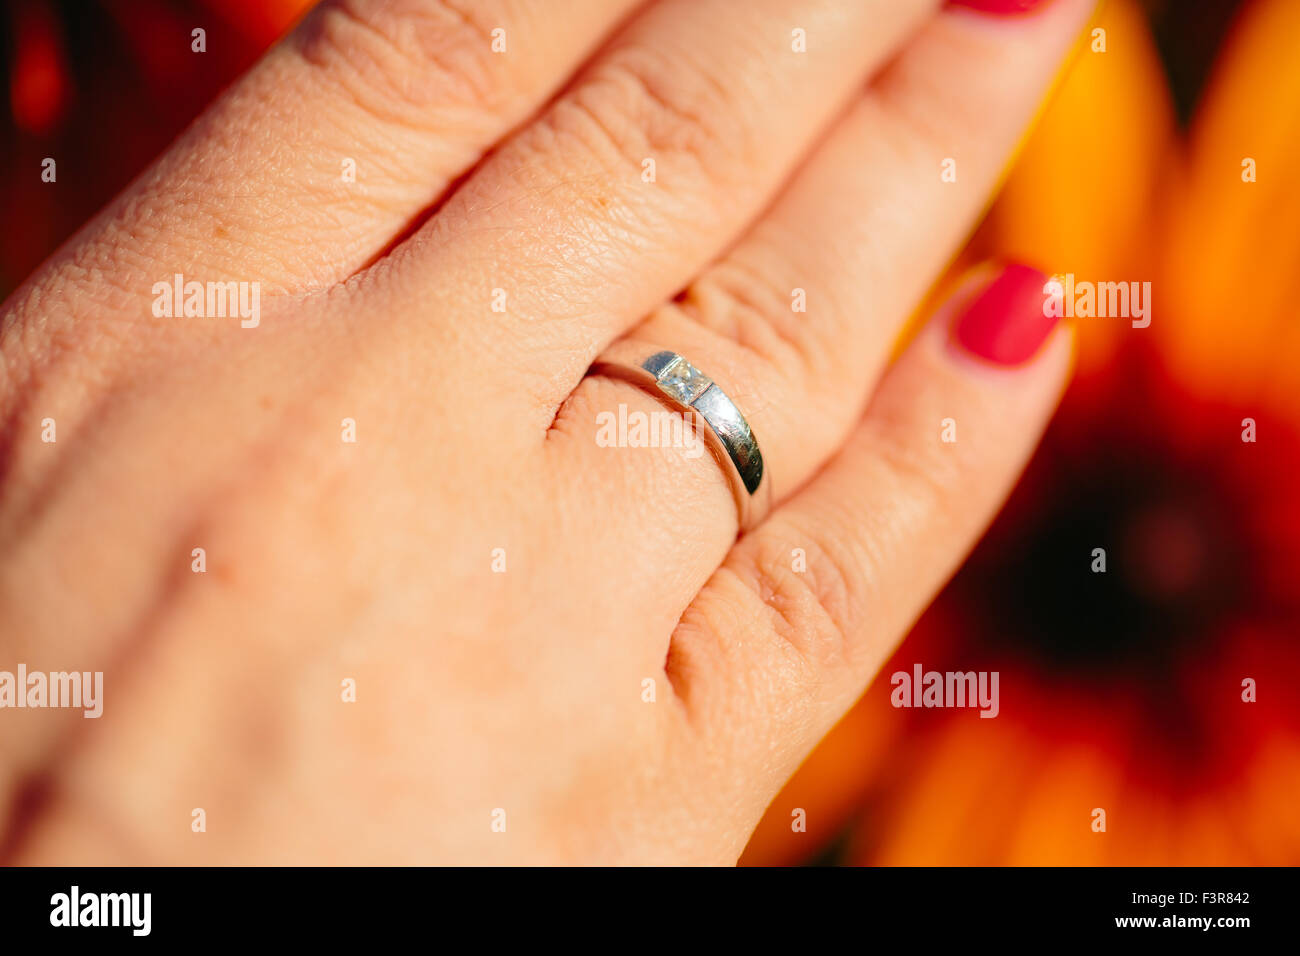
{"points": [[858, 236]]}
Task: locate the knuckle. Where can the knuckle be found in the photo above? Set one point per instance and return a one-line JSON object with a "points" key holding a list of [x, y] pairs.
{"points": [[929, 470], [817, 605], [643, 105], [746, 306], [399, 60], [928, 114]]}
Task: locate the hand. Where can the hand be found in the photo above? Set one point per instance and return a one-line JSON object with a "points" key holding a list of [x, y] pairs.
{"points": [[433, 618]]}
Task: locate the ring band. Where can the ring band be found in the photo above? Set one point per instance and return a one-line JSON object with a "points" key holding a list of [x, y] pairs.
{"points": [[729, 435]]}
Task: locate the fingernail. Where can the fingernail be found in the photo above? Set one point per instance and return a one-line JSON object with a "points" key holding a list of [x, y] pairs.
{"points": [[1006, 323], [997, 6]]}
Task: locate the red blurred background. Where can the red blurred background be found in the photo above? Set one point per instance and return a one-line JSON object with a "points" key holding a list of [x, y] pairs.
{"points": [[1120, 690]]}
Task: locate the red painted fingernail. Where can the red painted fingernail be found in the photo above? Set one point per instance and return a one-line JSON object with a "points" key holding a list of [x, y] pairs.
{"points": [[1006, 324], [997, 6]]}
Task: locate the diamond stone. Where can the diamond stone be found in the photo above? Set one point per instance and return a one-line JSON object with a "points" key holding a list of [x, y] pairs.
{"points": [[683, 381]]}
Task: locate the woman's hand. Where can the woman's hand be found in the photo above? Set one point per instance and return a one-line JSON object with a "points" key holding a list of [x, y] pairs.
{"points": [[435, 617]]}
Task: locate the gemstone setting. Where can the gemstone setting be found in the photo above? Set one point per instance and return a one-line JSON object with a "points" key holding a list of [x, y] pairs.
{"points": [[683, 381]]}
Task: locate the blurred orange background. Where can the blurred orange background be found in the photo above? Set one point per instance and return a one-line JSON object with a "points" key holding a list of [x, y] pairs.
{"points": [[1169, 152]]}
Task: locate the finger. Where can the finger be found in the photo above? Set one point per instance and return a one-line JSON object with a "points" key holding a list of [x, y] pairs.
{"points": [[653, 160], [786, 635], [331, 145], [863, 230]]}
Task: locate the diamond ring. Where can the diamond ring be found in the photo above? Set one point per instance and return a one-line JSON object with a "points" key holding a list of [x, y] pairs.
{"points": [[728, 435]]}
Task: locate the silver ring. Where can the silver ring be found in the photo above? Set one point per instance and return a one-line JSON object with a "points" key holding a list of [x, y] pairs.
{"points": [[729, 436]]}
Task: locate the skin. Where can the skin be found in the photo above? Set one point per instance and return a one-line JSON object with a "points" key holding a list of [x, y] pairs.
{"points": [[373, 561]]}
